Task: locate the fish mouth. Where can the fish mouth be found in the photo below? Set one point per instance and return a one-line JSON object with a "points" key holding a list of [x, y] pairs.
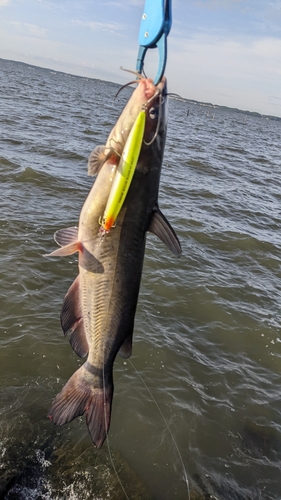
{"points": [[150, 89], [159, 91], [145, 86]]}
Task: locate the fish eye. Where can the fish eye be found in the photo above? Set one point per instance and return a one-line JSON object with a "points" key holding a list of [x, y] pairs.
{"points": [[153, 113]]}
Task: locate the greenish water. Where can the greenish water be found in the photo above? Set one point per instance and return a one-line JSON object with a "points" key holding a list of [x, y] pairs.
{"points": [[207, 338]]}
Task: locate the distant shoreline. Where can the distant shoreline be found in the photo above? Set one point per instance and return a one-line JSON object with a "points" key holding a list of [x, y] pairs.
{"points": [[183, 99]]}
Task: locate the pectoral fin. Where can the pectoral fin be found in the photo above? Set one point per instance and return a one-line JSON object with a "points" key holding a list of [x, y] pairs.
{"points": [[97, 159], [163, 229]]}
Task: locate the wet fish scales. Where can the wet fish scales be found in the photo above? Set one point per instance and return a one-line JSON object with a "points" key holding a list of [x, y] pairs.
{"points": [[99, 309]]}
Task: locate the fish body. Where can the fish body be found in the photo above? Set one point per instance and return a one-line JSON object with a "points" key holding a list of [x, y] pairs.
{"points": [[99, 309]]}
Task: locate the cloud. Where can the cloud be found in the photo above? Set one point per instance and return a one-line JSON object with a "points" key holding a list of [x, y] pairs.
{"points": [[30, 29], [229, 55], [243, 71], [3, 3], [113, 27]]}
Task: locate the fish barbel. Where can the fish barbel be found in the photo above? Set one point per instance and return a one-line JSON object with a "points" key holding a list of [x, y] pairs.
{"points": [[99, 308]]}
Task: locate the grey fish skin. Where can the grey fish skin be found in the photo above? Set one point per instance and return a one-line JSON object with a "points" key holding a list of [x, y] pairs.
{"points": [[99, 309]]}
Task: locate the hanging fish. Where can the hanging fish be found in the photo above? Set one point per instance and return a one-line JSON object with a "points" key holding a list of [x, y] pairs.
{"points": [[99, 308]]}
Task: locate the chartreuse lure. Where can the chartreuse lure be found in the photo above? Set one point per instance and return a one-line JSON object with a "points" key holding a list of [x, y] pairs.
{"points": [[124, 173]]}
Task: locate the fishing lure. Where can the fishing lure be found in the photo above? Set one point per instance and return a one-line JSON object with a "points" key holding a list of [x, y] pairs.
{"points": [[124, 174]]}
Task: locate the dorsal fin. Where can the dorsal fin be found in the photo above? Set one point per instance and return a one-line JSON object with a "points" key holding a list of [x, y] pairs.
{"points": [[163, 229]]}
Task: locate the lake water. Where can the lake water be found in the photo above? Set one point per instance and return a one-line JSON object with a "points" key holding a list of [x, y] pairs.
{"points": [[207, 339]]}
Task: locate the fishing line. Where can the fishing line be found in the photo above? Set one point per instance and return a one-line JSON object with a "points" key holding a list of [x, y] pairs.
{"points": [[167, 426], [108, 444]]}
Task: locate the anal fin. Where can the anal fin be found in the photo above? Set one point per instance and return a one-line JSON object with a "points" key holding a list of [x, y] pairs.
{"points": [[72, 321]]}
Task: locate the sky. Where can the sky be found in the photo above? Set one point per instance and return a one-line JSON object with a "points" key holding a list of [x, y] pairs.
{"points": [[225, 52]]}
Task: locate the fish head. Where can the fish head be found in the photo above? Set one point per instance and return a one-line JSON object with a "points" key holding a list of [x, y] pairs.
{"points": [[146, 96], [156, 115], [154, 138]]}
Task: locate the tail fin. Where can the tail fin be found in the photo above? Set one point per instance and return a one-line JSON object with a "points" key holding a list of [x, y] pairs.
{"points": [[79, 396]]}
